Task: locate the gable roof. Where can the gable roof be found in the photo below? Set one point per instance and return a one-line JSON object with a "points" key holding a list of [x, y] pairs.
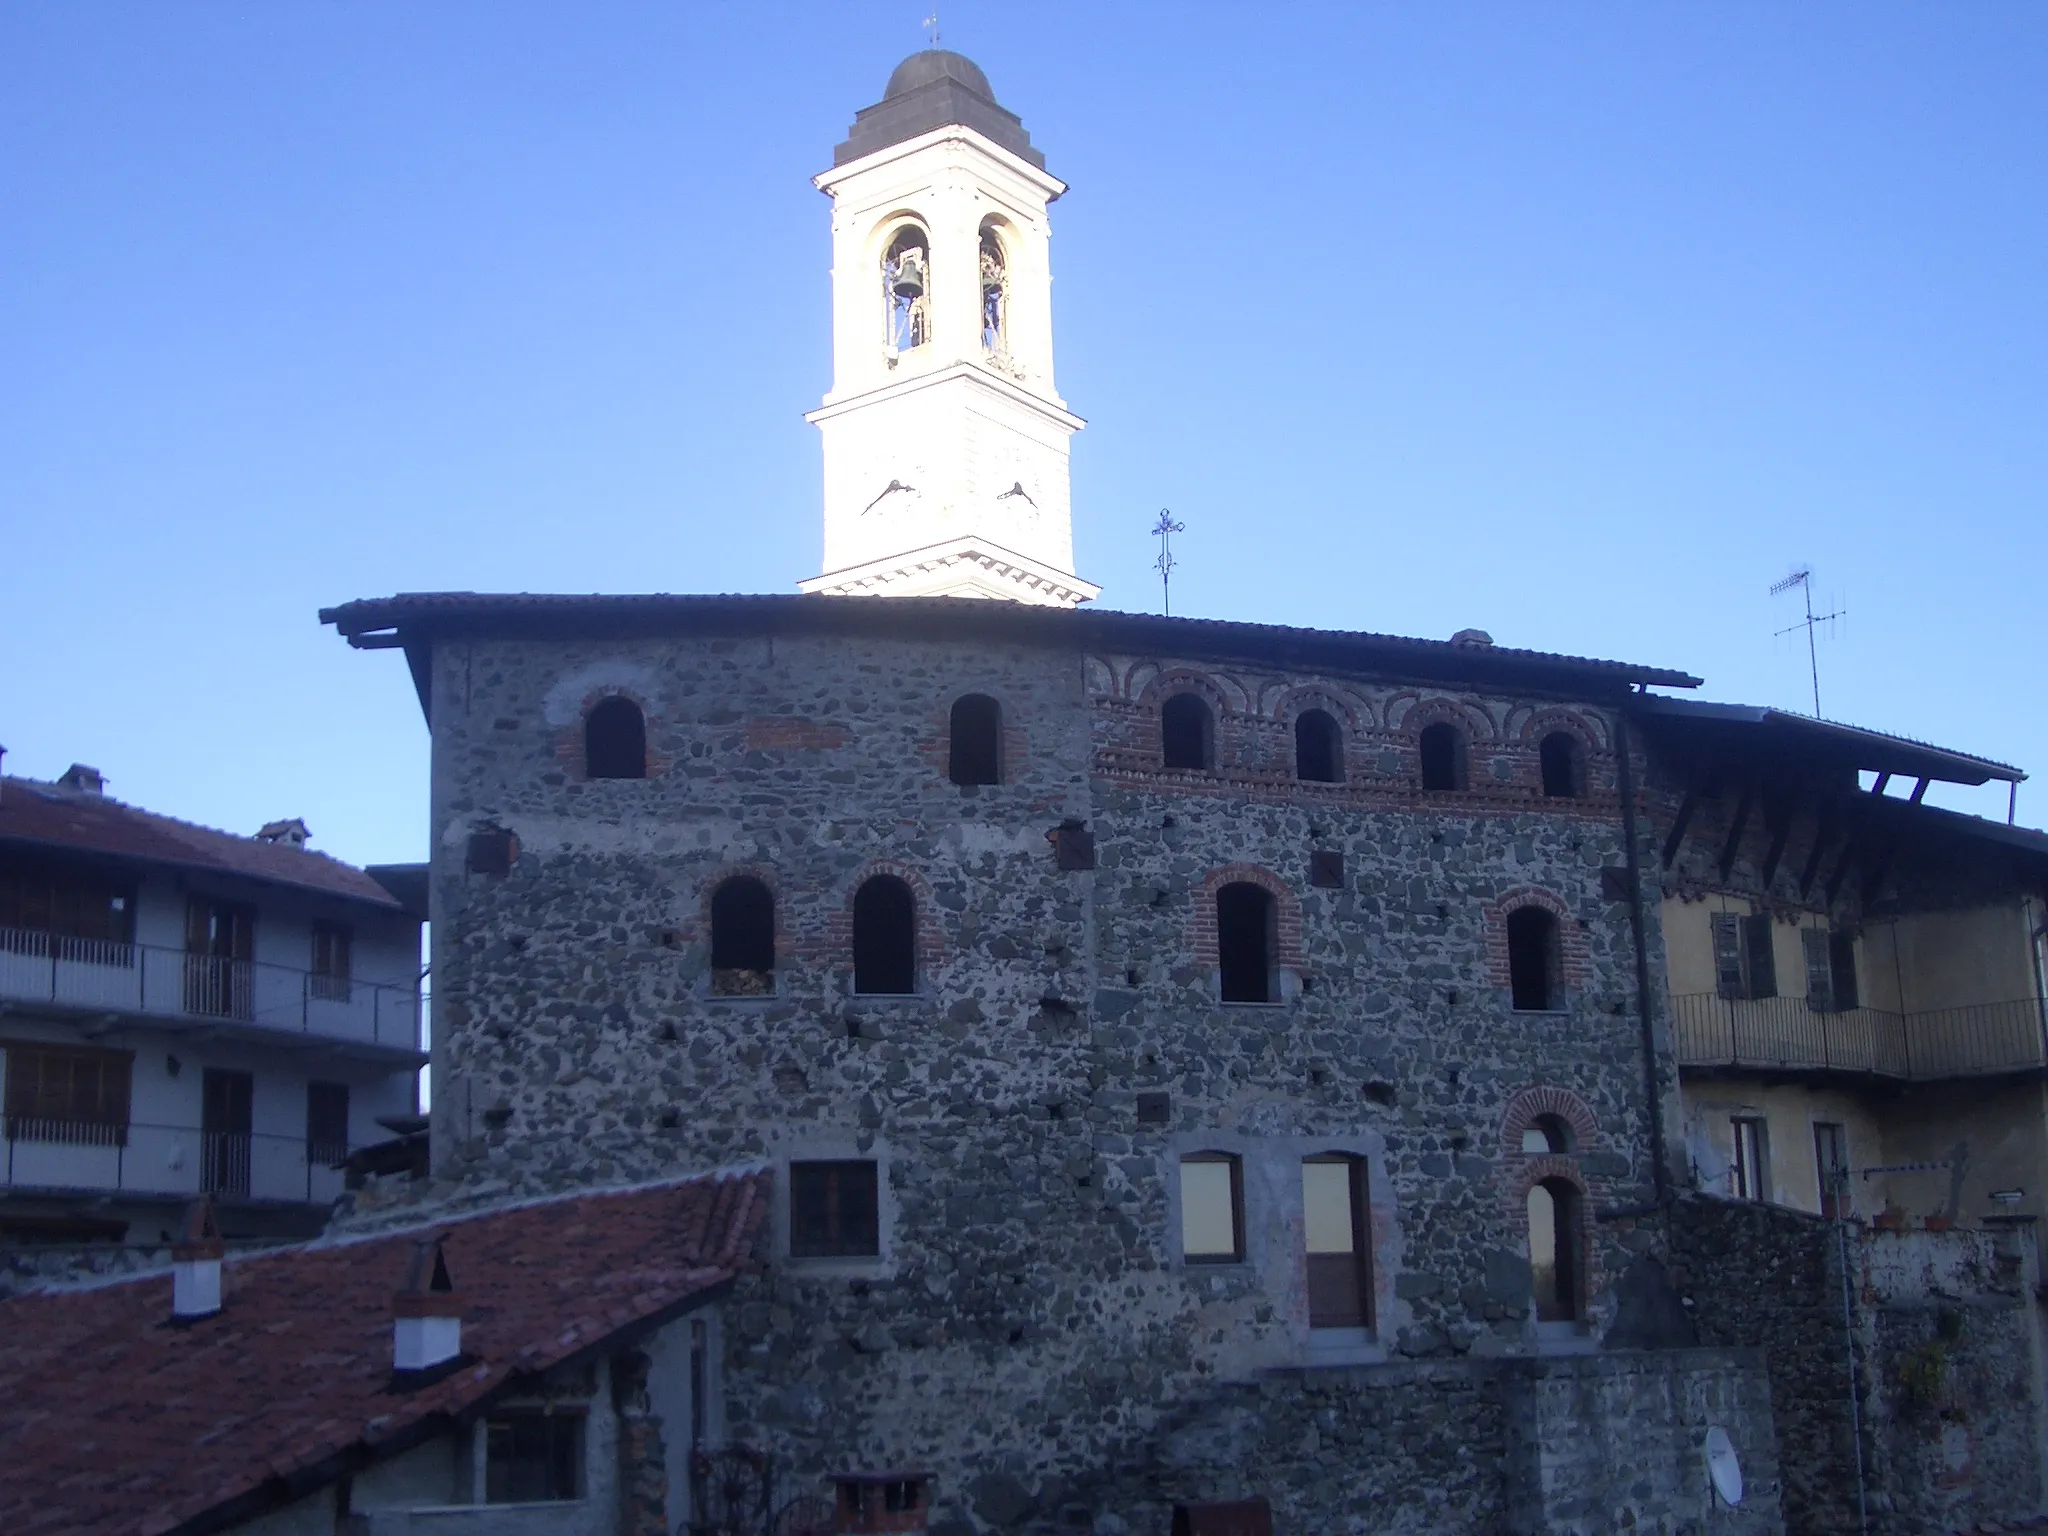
{"points": [[32, 811], [413, 620], [118, 1425]]}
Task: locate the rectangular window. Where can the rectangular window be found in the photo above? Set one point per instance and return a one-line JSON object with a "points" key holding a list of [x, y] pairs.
{"points": [[326, 1123], [1830, 970], [1334, 1228], [83, 917], [1749, 1175], [834, 1210], [1831, 1164], [1211, 1208], [331, 944], [1744, 964], [533, 1458], [1842, 969], [68, 1093]]}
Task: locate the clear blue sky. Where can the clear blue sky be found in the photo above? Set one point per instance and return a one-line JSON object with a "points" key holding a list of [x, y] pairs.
{"points": [[1580, 323]]}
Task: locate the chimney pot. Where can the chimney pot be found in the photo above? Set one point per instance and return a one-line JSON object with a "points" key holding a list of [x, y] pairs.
{"points": [[86, 781], [195, 1264], [426, 1326]]}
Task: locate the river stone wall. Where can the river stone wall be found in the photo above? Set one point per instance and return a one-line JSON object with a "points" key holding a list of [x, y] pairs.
{"points": [[1030, 1312]]}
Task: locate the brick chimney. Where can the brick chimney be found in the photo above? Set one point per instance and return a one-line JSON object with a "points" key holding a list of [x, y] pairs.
{"points": [[86, 781], [427, 1313], [195, 1264]]}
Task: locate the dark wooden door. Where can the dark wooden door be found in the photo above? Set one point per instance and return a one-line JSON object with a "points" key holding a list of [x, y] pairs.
{"points": [[226, 1121]]}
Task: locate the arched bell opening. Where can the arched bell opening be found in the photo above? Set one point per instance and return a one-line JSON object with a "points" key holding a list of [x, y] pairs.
{"points": [[906, 289]]}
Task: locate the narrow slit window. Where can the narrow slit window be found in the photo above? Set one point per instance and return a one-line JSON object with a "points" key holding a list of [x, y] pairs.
{"points": [[615, 740], [1334, 1228], [1211, 1208], [1532, 959], [1554, 1250], [1442, 748], [1246, 929], [1564, 775], [1187, 733], [1749, 1173], [975, 749], [885, 937], [742, 939], [1318, 748]]}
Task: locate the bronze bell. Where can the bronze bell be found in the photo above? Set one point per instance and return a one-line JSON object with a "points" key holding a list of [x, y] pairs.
{"points": [[908, 282]]}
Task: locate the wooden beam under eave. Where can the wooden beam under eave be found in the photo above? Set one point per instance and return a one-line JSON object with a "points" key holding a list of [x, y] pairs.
{"points": [[1780, 835], [1736, 828], [1823, 824], [1686, 807]]}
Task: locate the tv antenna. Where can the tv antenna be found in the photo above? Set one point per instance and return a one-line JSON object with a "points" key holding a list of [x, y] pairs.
{"points": [[1166, 528], [1802, 578]]}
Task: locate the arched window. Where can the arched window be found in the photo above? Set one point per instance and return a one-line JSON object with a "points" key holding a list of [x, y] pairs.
{"points": [[975, 751], [1187, 732], [1334, 1231], [742, 939], [1554, 1249], [1564, 774], [906, 284], [885, 936], [1443, 756], [1247, 934], [1532, 959], [1318, 748], [1547, 1134], [995, 292], [615, 740]]}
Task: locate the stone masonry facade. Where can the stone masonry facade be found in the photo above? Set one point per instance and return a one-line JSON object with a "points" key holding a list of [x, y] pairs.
{"points": [[1029, 1329]]}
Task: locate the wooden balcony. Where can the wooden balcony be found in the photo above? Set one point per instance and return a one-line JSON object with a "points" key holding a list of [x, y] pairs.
{"points": [[1783, 1034]]}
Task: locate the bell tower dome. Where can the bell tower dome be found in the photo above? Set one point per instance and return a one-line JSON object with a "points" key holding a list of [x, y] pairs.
{"points": [[946, 444]]}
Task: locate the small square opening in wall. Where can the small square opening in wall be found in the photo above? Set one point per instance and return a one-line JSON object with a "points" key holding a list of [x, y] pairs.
{"points": [[1155, 1108], [1326, 869], [834, 1210], [493, 851]]}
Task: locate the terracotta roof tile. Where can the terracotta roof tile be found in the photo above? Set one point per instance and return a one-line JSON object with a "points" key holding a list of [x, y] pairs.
{"points": [[36, 812], [118, 1425]]}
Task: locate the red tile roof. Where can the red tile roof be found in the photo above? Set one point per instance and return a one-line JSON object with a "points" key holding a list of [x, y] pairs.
{"points": [[32, 811], [115, 1424]]}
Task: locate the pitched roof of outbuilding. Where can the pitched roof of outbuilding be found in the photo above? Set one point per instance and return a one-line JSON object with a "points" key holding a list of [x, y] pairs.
{"points": [[54, 816], [116, 1424]]}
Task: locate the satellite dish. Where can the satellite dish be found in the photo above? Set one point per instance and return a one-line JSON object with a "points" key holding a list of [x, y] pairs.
{"points": [[1723, 1466]]}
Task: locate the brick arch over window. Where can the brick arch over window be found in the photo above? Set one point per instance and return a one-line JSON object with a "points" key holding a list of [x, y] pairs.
{"points": [[1354, 715], [1202, 937], [1409, 716], [1532, 1104], [708, 888], [1220, 695], [569, 744], [1542, 722], [1571, 937], [931, 948]]}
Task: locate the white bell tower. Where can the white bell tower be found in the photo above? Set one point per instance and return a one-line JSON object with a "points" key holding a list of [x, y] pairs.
{"points": [[946, 445]]}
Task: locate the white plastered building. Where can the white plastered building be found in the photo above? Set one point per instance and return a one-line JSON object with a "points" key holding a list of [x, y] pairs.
{"points": [[945, 441]]}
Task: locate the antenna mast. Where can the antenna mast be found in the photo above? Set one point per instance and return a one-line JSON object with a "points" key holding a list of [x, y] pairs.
{"points": [[1802, 578], [1166, 528]]}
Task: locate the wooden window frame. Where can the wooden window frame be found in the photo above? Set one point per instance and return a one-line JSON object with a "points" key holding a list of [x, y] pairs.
{"points": [[1749, 1168], [575, 1420], [331, 975], [843, 1238], [1235, 1164], [32, 1094]]}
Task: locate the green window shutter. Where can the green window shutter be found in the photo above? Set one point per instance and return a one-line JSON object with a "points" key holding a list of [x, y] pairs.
{"points": [[1727, 954], [1763, 962], [1820, 975]]}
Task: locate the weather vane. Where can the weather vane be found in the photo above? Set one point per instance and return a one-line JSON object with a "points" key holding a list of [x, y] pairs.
{"points": [[1803, 579], [1166, 528], [932, 22]]}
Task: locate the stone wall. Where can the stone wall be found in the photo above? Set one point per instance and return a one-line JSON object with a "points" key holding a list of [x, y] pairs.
{"points": [[1948, 1350], [1030, 1307]]}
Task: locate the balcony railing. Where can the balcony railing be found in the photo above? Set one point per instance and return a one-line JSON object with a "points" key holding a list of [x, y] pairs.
{"points": [[182, 988], [170, 1160], [1979, 1040]]}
